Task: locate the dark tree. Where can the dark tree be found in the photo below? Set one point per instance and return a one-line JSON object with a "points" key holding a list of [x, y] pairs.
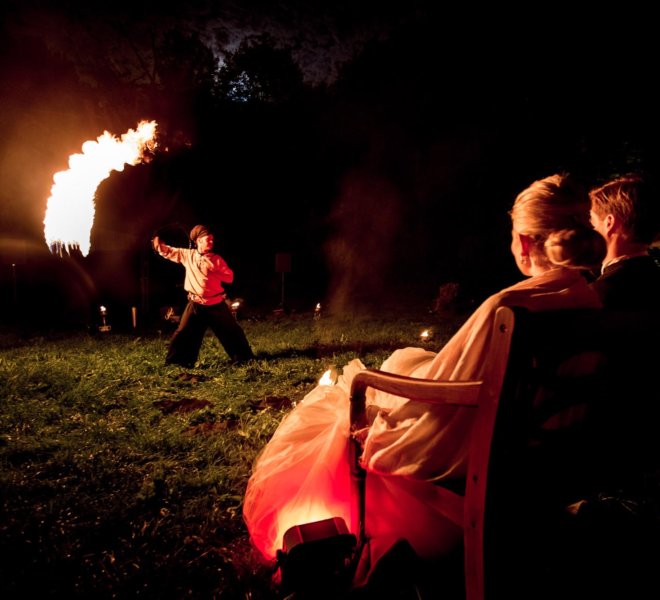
{"points": [[260, 71]]}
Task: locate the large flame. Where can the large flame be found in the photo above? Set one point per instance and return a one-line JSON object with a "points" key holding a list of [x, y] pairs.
{"points": [[70, 208]]}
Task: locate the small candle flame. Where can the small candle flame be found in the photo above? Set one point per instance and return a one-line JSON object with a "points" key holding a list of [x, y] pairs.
{"points": [[329, 377], [425, 335], [235, 305], [103, 310]]}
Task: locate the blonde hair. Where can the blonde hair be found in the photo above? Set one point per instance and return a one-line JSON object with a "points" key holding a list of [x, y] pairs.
{"points": [[554, 214], [634, 201]]}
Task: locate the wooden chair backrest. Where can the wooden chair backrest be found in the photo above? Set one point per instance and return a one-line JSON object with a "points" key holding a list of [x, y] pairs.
{"points": [[577, 418]]}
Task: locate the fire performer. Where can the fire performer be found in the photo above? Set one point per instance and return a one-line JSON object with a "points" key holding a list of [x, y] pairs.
{"points": [[206, 272]]}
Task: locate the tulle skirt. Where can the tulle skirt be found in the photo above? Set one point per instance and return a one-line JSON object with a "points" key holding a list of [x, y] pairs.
{"points": [[303, 475]]}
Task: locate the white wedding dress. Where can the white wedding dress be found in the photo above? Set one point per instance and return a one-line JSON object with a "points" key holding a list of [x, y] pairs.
{"points": [[302, 475]]}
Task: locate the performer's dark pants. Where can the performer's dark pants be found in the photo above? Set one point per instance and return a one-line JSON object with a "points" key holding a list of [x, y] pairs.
{"points": [[187, 339]]}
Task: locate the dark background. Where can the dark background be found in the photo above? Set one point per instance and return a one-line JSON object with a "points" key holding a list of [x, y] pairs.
{"points": [[380, 146]]}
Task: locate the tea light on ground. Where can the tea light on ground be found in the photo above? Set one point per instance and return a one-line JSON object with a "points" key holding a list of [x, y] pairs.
{"points": [[329, 377]]}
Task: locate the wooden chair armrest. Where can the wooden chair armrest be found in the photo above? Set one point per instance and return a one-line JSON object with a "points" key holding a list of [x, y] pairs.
{"points": [[450, 393], [447, 393], [467, 510]]}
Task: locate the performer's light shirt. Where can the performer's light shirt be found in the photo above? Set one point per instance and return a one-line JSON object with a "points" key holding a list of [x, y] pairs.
{"points": [[205, 273]]}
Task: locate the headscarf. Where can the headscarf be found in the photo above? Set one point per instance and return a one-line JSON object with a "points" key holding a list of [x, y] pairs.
{"points": [[198, 231]]}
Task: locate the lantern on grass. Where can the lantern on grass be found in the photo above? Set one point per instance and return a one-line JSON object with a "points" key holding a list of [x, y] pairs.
{"points": [[317, 558], [234, 306]]}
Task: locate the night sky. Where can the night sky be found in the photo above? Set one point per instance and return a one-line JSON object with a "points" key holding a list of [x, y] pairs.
{"points": [[380, 145]]}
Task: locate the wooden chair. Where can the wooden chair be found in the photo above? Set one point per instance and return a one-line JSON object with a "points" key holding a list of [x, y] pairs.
{"points": [[566, 412]]}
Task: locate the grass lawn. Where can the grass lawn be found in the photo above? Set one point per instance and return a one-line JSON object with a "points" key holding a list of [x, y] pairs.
{"points": [[123, 478]]}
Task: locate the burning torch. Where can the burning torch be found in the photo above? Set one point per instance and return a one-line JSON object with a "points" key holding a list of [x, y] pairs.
{"points": [[104, 313]]}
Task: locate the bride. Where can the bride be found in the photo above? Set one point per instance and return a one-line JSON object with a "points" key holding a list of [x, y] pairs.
{"points": [[302, 475]]}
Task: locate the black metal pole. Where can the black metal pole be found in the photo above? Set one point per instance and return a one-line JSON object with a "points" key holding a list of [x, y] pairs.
{"points": [[14, 285]]}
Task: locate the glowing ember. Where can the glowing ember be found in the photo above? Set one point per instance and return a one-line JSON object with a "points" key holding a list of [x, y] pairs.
{"points": [[329, 377], [70, 207]]}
